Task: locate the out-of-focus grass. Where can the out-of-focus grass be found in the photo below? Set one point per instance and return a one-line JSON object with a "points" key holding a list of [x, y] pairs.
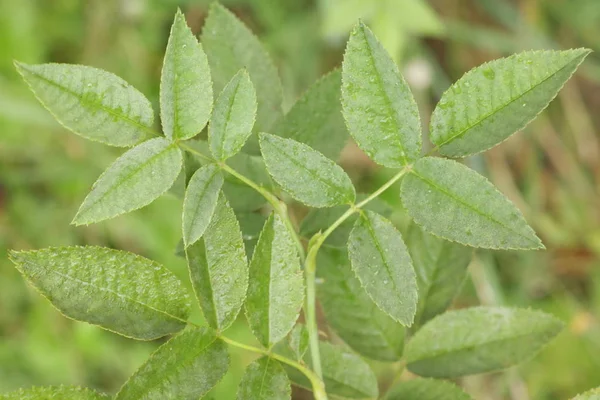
{"points": [[551, 171]]}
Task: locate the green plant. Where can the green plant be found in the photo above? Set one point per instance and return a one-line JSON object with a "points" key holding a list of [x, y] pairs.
{"points": [[373, 285]]}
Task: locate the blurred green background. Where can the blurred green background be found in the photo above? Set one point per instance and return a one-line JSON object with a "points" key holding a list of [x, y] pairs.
{"points": [[551, 171]]}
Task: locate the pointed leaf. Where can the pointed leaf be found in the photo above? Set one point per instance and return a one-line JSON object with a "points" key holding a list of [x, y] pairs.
{"points": [[441, 268], [200, 202], [351, 312], [119, 291], [276, 286], [593, 394], [231, 46], [495, 100], [454, 202], [426, 389], [307, 175], [264, 379], [379, 108], [91, 102], [219, 269], [383, 266], [184, 368], [134, 180], [186, 97], [54, 392], [477, 340], [232, 121], [316, 118]]}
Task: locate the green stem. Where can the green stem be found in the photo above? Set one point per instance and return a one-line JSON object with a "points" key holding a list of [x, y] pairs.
{"points": [[310, 313]]}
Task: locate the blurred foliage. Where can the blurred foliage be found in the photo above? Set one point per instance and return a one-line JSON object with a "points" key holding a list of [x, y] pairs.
{"points": [[552, 172]]}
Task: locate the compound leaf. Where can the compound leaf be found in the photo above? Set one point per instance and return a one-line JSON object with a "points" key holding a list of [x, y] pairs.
{"points": [[219, 268], [276, 286], [426, 389], [184, 368], [454, 202], [133, 181], [477, 340], [91, 102], [383, 266], [117, 290], [264, 379], [307, 175], [379, 108], [54, 392], [186, 97], [493, 101]]}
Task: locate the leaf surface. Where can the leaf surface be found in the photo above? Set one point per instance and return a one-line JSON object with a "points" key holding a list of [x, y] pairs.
{"points": [[593, 394], [426, 389], [54, 392], [264, 379]]}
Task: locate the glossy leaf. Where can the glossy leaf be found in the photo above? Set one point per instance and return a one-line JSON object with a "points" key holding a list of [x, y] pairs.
{"points": [[379, 108], [54, 392], [219, 269], [593, 394], [91, 102], [441, 268], [200, 202], [477, 340], [119, 291], [134, 180], [426, 389], [264, 379], [495, 100], [184, 368], [352, 314], [232, 121], [186, 97], [276, 286], [307, 175], [383, 266], [454, 202], [316, 118]]}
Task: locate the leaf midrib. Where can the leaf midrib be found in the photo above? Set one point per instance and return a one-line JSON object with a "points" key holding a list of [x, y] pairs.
{"points": [[200, 197], [228, 117]]}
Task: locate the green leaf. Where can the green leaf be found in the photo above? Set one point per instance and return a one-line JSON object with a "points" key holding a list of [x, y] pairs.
{"points": [[134, 180], [426, 389], [441, 268], [54, 392], [307, 175], [219, 269], [200, 202], [352, 314], [117, 290], [593, 394], [379, 108], [184, 368], [477, 340], [231, 46], [91, 102], [495, 100], [454, 202], [264, 379], [318, 115], [276, 286], [383, 266], [186, 97], [298, 340]]}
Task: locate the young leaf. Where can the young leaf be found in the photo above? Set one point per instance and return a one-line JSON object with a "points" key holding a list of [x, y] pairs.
{"points": [[219, 269], [426, 389], [307, 175], [477, 340], [440, 266], [383, 266], [200, 202], [593, 394], [119, 291], [133, 181], [91, 102], [276, 286], [380, 111], [231, 46], [232, 121], [54, 392], [184, 368], [186, 97], [264, 379], [454, 202], [496, 99], [351, 312], [318, 115]]}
